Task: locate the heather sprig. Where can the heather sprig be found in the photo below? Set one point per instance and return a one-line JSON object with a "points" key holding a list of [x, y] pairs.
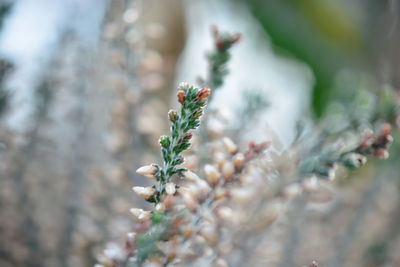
{"points": [[352, 157], [219, 57], [193, 100]]}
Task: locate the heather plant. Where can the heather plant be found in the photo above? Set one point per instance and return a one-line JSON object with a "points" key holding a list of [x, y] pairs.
{"points": [[223, 216], [219, 57]]}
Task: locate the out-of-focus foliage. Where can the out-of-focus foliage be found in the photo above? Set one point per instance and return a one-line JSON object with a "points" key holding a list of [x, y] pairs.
{"points": [[327, 35]]}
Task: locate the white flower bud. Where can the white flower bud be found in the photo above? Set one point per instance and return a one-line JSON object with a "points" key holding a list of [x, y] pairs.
{"points": [[228, 170], [170, 188], [219, 158], [212, 173], [148, 171], [230, 145], [140, 214], [191, 176], [144, 192], [238, 160], [160, 207]]}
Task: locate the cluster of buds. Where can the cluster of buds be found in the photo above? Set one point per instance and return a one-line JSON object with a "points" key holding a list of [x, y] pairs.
{"points": [[371, 145], [158, 225], [376, 146], [224, 41], [193, 101], [355, 157], [199, 209]]}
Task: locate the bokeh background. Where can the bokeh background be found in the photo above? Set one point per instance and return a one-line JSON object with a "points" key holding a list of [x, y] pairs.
{"points": [[85, 86]]}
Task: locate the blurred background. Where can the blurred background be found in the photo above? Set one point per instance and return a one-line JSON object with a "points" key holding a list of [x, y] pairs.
{"points": [[84, 91]]}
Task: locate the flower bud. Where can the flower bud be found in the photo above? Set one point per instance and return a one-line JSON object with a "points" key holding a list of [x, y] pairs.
{"points": [[220, 193], [164, 141], [181, 97], [191, 176], [219, 158], [183, 86], [354, 160], [160, 207], [204, 93], [203, 186], [187, 137], [144, 192], [386, 128], [173, 115], [170, 188], [381, 154], [140, 214], [238, 160], [228, 170], [230, 145], [148, 170], [212, 173]]}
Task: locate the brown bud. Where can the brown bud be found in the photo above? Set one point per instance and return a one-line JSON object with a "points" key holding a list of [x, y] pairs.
{"points": [[204, 93], [173, 115], [386, 128], [238, 160], [381, 154], [212, 174], [187, 136], [169, 202], [181, 97]]}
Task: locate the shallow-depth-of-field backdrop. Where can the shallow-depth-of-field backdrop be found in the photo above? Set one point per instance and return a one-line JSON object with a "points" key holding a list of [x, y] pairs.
{"points": [[199, 133]]}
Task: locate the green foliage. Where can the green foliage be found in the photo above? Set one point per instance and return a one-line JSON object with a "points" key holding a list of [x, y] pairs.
{"points": [[219, 57], [319, 33]]}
